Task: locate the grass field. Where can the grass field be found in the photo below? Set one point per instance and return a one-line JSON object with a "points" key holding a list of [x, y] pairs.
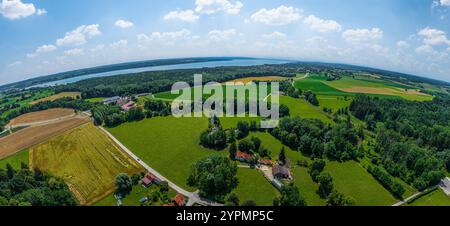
{"points": [[307, 187], [436, 198], [300, 107], [353, 180], [348, 86], [26, 101], [16, 160], [58, 96], [274, 146], [334, 102], [95, 100], [168, 144], [86, 159], [254, 186], [133, 199]]}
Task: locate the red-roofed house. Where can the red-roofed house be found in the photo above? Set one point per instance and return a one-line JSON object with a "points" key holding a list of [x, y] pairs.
{"points": [[243, 157], [179, 200], [266, 162], [128, 106], [149, 179]]}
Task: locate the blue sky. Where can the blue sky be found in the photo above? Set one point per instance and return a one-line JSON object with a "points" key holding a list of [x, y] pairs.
{"points": [[39, 37]]}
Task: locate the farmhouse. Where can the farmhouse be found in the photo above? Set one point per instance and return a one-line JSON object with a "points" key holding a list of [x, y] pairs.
{"points": [[243, 157], [281, 172], [266, 162], [149, 179], [179, 200], [111, 100], [128, 106]]}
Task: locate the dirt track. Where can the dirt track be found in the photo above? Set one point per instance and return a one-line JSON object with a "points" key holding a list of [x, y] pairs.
{"points": [[33, 135]]}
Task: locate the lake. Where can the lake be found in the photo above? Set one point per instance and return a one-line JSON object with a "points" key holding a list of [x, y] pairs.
{"points": [[209, 64]]}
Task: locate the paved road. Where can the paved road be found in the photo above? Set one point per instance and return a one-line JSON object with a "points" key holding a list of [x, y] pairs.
{"points": [[406, 200], [193, 196]]}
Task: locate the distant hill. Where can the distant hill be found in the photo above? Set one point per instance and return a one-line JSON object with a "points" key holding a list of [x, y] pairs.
{"points": [[113, 67]]}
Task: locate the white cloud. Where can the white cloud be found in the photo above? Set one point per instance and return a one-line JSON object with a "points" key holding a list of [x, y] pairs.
{"points": [[322, 25], [279, 16], [78, 36], [426, 50], [124, 24], [31, 55], [403, 44], [164, 37], [274, 35], [215, 6], [41, 12], [362, 35], [119, 44], [74, 52], [45, 48], [17, 63], [221, 35], [16, 9], [186, 15], [316, 40], [441, 3], [434, 37], [98, 47]]}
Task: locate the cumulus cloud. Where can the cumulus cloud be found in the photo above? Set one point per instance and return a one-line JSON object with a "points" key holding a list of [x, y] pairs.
{"points": [[215, 6], [434, 36], [123, 24], [426, 50], [403, 44], [164, 37], [79, 36], [74, 52], [16, 9], [186, 15], [362, 35], [441, 3], [282, 15], [119, 44], [42, 49], [274, 35], [221, 35], [322, 25]]}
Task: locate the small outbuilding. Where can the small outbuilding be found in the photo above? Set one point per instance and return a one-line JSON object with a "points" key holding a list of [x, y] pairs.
{"points": [[281, 172]]}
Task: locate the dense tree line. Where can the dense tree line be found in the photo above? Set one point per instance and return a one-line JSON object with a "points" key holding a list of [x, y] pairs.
{"points": [[315, 139], [386, 180], [24, 187], [412, 138], [161, 81]]}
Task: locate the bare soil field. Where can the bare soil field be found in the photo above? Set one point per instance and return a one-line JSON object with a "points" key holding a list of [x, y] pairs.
{"points": [[58, 96], [33, 135], [42, 116]]}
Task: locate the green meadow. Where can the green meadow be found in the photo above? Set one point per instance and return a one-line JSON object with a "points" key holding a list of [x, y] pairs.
{"points": [[254, 186], [300, 107], [308, 189], [16, 160], [435, 198], [168, 144], [353, 180]]}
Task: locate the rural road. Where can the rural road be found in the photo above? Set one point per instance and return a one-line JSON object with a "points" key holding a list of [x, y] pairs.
{"points": [[406, 200], [193, 196]]}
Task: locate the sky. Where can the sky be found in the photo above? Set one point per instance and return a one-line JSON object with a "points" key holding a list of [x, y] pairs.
{"points": [[41, 37]]}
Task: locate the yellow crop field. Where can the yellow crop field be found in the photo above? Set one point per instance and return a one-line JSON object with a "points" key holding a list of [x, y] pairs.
{"points": [[87, 159]]}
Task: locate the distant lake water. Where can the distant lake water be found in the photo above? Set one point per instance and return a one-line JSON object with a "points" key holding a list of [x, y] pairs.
{"points": [[209, 64]]}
